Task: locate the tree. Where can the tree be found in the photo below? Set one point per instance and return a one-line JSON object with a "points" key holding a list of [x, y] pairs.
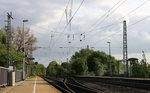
{"points": [[139, 69], [16, 56], [67, 68], [83, 53], [29, 39], [97, 63], [55, 69], [35, 69], [40, 69], [51, 71], [79, 66], [3, 49], [144, 69], [149, 70], [134, 66], [88, 61], [81, 56]]}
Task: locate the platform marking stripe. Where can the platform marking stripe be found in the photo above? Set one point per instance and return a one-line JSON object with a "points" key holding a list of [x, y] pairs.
{"points": [[34, 85]]}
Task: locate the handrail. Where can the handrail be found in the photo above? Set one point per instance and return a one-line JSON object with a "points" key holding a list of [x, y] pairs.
{"points": [[4, 68]]}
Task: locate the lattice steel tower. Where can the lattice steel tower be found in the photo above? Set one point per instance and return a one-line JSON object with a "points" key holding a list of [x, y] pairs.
{"points": [[125, 47], [9, 38]]}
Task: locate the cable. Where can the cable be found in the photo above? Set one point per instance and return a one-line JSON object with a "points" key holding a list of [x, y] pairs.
{"points": [[132, 10], [135, 9], [76, 11], [59, 24], [104, 28], [128, 27], [116, 23], [139, 21], [62, 15], [106, 15], [69, 21]]}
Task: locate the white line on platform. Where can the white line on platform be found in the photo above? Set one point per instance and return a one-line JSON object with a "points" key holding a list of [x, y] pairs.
{"points": [[34, 85]]}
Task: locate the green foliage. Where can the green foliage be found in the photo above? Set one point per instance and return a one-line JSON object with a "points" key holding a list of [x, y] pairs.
{"points": [[148, 67], [139, 69], [16, 56], [36, 69], [80, 59], [78, 66], [83, 53], [55, 69], [91, 62], [3, 50], [40, 69], [97, 63], [144, 69], [51, 69], [3, 57], [67, 68]]}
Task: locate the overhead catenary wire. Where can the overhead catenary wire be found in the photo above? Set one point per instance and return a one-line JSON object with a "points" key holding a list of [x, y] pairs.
{"points": [[138, 21], [62, 15], [130, 11], [106, 15], [76, 11], [127, 14], [134, 9], [120, 30], [56, 31], [63, 30], [69, 22]]}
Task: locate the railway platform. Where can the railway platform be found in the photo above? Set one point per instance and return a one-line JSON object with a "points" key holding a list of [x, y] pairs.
{"points": [[33, 85]]}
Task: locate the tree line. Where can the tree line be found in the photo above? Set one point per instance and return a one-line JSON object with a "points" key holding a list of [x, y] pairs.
{"points": [[97, 63], [17, 50]]}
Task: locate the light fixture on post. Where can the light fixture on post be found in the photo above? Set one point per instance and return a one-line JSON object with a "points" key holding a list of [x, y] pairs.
{"points": [[23, 65], [110, 59]]}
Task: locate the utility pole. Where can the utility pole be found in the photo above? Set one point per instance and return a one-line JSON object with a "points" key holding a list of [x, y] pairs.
{"points": [[87, 46], [110, 73], [69, 21], [144, 57], [23, 65], [9, 38], [125, 47]]}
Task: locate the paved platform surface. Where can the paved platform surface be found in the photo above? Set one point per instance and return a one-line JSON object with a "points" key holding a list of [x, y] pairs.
{"points": [[34, 85]]}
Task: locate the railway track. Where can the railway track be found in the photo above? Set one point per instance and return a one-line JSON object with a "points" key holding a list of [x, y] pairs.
{"points": [[69, 85], [125, 82]]}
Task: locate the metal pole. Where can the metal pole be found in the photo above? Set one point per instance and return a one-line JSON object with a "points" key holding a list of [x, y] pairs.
{"points": [[125, 47], [23, 66], [9, 59], [110, 59]]}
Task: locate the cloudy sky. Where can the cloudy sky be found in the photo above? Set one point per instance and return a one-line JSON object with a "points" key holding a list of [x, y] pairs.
{"points": [[94, 22]]}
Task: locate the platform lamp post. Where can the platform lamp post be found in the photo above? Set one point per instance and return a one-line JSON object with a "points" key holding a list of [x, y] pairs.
{"points": [[109, 58], [23, 66]]}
